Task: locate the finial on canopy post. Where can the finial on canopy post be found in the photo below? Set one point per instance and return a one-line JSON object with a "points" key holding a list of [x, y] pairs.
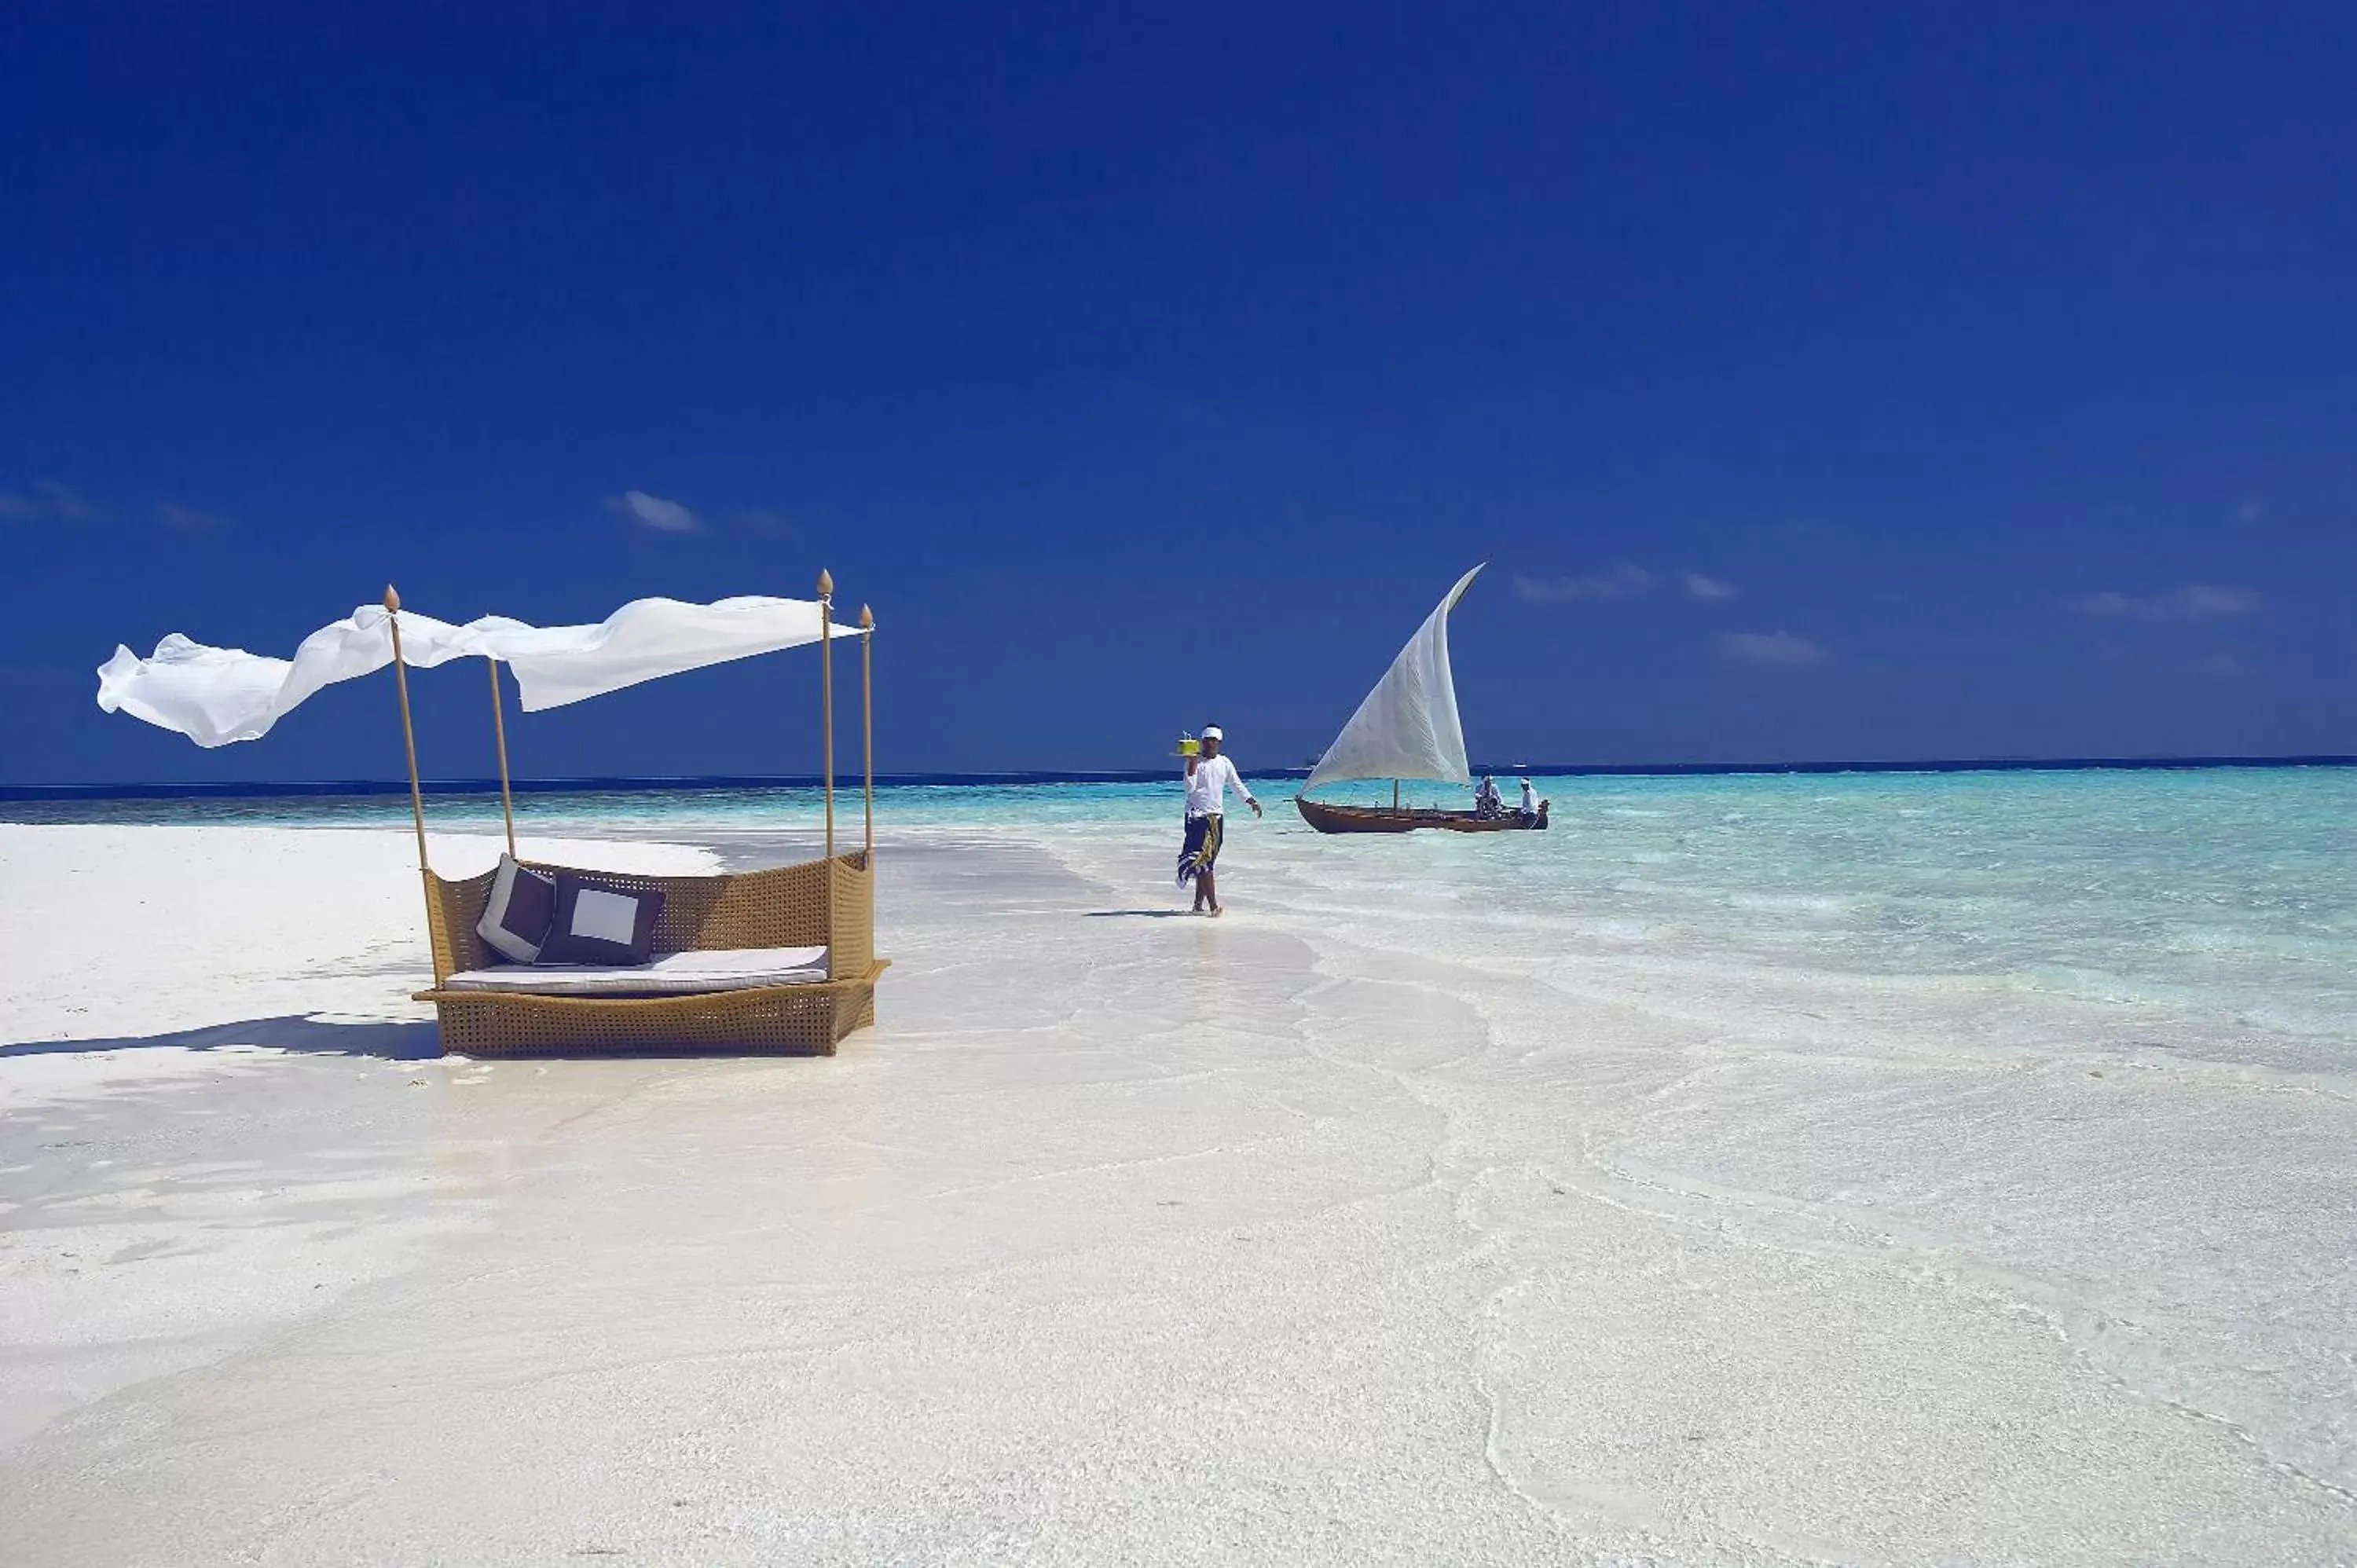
{"points": [[826, 692], [868, 720]]}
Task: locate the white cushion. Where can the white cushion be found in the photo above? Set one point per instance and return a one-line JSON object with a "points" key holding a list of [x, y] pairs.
{"points": [[603, 917], [674, 974]]}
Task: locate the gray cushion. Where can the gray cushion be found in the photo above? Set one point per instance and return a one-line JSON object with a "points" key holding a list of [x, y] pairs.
{"points": [[516, 921]]}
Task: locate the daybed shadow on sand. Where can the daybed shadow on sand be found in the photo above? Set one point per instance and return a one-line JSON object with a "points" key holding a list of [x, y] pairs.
{"points": [[294, 1033], [422, 1041]]}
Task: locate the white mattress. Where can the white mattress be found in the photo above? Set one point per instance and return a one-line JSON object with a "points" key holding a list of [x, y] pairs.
{"points": [[674, 974]]}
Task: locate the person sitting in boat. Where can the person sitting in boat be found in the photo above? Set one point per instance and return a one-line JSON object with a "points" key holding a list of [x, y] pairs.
{"points": [[1488, 805], [1532, 805]]}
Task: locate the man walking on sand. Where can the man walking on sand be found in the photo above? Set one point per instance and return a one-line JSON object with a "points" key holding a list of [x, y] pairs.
{"points": [[1208, 778]]}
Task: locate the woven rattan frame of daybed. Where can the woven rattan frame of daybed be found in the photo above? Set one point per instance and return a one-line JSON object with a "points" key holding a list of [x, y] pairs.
{"points": [[829, 902], [818, 902]]}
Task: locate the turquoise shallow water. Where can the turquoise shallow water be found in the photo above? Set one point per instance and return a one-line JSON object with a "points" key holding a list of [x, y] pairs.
{"points": [[2230, 894], [2224, 898]]}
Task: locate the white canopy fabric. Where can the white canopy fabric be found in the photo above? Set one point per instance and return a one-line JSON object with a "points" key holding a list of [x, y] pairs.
{"points": [[1408, 728], [217, 696], [645, 638]]}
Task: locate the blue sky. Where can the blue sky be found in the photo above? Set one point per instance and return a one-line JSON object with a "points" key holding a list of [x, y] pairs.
{"points": [[1865, 382]]}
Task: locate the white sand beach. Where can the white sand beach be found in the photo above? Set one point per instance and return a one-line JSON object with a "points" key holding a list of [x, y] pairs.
{"points": [[1299, 1236]]}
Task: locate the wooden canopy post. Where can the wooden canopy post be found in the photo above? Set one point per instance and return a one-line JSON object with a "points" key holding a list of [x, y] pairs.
{"points": [[416, 794], [826, 692], [500, 733], [867, 719], [408, 733]]}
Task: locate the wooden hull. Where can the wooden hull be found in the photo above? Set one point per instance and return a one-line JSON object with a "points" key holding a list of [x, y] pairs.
{"points": [[1328, 819]]}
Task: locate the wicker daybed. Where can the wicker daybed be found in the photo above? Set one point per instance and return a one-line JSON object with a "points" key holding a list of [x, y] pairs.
{"points": [[775, 960], [819, 903], [822, 910]]}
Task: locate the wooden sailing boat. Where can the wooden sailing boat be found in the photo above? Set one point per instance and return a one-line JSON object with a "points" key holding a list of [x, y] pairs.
{"points": [[1406, 729]]}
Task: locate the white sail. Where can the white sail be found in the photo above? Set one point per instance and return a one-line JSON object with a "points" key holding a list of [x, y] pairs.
{"points": [[1408, 728]]}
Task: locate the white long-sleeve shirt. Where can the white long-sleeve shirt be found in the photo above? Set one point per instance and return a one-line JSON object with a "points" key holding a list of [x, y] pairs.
{"points": [[1207, 787]]}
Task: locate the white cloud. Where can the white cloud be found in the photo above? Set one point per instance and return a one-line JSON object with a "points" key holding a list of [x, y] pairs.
{"points": [[66, 502], [188, 519], [48, 501], [2223, 665], [53, 500], [1623, 581], [766, 520], [666, 517], [2195, 601], [1626, 581], [1772, 648], [2249, 512]]}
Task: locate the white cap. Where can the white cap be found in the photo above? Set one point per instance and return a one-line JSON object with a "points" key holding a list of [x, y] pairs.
{"points": [[1211, 731]]}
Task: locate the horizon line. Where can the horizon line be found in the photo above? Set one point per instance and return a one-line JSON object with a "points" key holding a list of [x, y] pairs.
{"points": [[647, 783]]}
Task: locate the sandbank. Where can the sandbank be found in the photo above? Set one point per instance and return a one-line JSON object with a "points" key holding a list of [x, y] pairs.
{"points": [[1127, 1237]]}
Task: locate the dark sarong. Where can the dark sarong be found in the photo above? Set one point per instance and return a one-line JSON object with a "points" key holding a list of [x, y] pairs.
{"points": [[1201, 848]]}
